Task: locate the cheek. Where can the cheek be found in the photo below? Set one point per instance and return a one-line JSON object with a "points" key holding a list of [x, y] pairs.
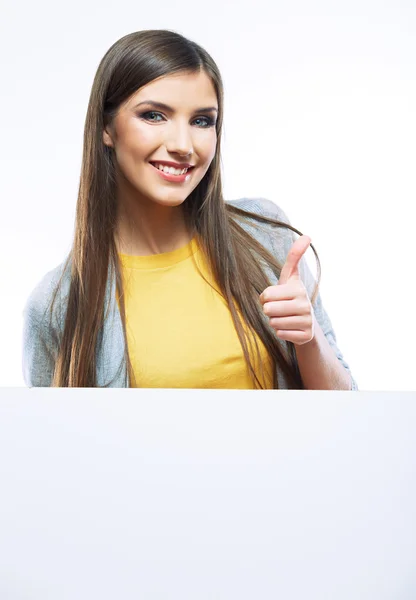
{"points": [[139, 141], [132, 150], [207, 149], [135, 139], [212, 143], [144, 138]]}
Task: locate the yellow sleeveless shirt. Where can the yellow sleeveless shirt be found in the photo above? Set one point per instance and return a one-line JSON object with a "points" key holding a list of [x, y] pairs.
{"points": [[180, 333]]}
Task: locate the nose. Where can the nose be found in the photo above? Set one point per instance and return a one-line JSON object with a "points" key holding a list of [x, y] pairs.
{"points": [[179, 140]]}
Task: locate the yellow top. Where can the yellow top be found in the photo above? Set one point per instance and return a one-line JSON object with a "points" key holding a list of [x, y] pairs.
{"points": [[180, 333]]}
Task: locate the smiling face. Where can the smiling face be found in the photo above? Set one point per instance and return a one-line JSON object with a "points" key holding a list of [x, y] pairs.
{"points": [[182, 131]]}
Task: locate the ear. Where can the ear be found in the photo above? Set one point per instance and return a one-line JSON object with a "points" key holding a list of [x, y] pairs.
{"points": [[107, 139]]}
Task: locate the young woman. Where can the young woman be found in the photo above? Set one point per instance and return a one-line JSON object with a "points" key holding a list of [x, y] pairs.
{"points": [[167, 285]]}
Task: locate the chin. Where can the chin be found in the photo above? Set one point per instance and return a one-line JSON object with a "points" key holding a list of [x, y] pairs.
{"points": [[169, 201]]}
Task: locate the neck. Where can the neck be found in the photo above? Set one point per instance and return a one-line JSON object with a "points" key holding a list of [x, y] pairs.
{"points": [[146, 227]]}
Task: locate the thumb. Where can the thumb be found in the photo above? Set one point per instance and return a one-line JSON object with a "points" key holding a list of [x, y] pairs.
{"points": [[291, 267]]}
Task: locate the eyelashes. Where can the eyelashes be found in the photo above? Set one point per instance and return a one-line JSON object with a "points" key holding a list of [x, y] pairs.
{"points": [[210, 122]]}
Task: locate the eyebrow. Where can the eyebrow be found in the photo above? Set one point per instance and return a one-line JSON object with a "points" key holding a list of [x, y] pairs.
{"points": [[166, 107]]}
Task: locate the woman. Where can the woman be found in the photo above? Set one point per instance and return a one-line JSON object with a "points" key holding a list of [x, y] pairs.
{"points": [[166, 284]]}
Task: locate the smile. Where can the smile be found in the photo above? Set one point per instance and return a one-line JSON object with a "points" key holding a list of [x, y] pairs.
{"points": [[170, 170], [172, 174]]}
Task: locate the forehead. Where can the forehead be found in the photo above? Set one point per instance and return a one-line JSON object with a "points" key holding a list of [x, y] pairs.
{"points": [[179, 89]]}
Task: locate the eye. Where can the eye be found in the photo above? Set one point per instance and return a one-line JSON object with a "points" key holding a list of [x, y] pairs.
{"points": [[208, 120], [145, 116]]}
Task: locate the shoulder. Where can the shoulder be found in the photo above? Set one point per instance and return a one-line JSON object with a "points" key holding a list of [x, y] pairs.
{"points": [[40, 298], [276, 239], [262, 207]]}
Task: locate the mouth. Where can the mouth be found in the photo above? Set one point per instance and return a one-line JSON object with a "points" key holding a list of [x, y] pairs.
{"points": [[178, 172], [174, 176]]}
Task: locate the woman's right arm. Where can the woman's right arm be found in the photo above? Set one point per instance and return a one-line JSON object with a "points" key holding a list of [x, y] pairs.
{"points": [[38, 348], [40, 342]]}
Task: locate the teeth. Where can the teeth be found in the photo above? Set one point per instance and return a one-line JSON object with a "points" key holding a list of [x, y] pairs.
{"points": [[170, 170]]}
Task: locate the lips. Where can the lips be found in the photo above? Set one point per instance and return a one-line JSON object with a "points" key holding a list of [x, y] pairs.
{"points": [[171, 177]]}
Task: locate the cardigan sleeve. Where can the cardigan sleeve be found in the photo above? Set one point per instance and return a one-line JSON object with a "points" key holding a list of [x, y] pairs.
{"points": [[280, 242], [40, 342], [323, 318]]}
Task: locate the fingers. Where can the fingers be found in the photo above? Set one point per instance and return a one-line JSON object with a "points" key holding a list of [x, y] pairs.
{"points": [[274, 293], [296, 337], [286, 308], [290, 323]]}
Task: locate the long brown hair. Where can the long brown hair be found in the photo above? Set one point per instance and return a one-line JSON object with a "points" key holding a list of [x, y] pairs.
{"points": [[232, 253]]}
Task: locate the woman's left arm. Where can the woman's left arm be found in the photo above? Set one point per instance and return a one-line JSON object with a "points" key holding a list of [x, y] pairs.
{"points": [[292, 316], [319, 366]]}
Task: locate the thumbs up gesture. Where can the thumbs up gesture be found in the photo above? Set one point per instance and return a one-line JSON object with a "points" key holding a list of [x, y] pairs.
{"points": [[287, 304]]}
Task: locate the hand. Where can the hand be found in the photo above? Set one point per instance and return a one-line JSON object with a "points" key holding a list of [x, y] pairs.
{"points": [[287, 304]]}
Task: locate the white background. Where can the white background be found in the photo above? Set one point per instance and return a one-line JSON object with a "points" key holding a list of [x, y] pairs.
{"points": [[320, 117]]}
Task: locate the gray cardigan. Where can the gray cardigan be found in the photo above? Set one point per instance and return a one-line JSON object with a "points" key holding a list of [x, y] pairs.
{"points": [[40, 339]]}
